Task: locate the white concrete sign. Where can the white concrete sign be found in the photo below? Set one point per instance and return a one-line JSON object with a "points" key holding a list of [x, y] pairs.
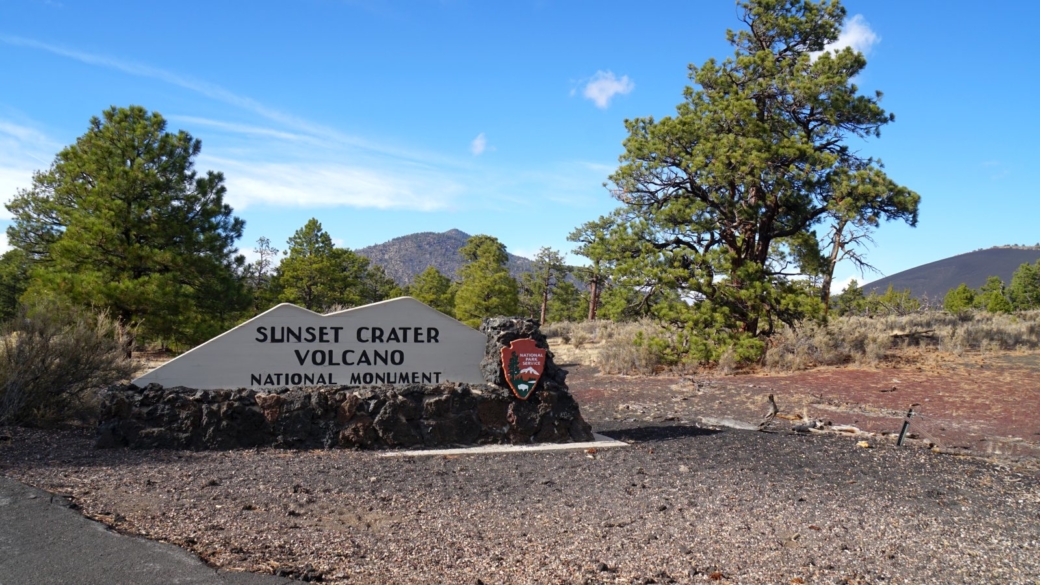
{"points": [[400, 341]]}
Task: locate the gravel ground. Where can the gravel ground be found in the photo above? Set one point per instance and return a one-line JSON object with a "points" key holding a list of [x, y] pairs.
{"points": [[681, 504]]}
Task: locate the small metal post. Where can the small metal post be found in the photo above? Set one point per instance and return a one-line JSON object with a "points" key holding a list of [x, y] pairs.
{"points": [[906, 425]]}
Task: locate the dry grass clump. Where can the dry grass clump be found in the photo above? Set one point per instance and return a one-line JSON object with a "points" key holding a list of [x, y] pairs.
{"points": [[645, 347], [864, 340], [630, 348], [993, 332], [858, 340], [53, 359]]}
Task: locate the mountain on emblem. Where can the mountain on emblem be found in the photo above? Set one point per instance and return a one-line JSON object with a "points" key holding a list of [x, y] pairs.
{"points": [[523, 363]]}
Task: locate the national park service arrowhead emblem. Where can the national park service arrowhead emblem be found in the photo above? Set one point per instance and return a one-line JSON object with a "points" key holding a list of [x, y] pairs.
{"points": [[523, 363]]}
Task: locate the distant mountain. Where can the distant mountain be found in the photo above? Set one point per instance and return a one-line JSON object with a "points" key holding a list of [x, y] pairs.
{"points": [[406, 257], [936, 278]]}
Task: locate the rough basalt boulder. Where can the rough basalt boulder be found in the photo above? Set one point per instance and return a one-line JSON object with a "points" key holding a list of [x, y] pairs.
{"points": [[349, 416]]}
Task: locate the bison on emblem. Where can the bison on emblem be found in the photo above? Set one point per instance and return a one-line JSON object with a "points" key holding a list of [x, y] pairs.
{"points": [[523, 363]]}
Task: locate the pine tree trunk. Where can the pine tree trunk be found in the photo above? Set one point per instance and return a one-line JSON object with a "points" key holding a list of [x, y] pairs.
{"points": [[593, 297]]}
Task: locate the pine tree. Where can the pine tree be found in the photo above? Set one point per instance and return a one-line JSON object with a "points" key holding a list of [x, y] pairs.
{"points": [[1024, 290], [320, 277], [958, 300], [757, 155], [122, 222], [434, 289], [486, 288]]}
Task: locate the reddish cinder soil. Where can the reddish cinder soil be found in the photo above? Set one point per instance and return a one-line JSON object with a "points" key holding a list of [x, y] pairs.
{"points": [[978, 404]]}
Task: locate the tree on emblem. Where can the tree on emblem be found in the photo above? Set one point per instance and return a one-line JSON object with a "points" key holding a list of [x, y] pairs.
{"points": [[514, 373]]}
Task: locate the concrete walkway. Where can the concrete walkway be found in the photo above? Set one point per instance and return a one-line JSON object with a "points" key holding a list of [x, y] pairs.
{"points": [[43, 541]]}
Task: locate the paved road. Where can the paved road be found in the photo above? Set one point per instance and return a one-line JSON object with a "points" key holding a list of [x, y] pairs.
{"points": [[43, 541]]}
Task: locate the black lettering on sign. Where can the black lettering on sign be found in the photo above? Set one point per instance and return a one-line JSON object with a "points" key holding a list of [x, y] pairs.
{"points": [[432, 335], [360, 334], [254, 379], [263, 334], [301, 357], [335, 333], [393, 336], [291, 333], [355, 378], [310, 337]]}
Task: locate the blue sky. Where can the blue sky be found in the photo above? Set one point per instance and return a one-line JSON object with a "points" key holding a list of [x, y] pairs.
{"points": [[505, 118]]}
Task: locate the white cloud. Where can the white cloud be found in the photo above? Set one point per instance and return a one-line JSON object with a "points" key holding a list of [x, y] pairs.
{"points": [[839, 285], [528, 253], [4, 245], [216, 92], [330, 185], [244, 129], [293, 163], [604, 85], [478, 145], [23, 150], [856, 33]]}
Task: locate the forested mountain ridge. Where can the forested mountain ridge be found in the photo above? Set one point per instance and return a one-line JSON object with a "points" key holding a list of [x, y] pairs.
{"points": [[935, 279], [405, 257]]}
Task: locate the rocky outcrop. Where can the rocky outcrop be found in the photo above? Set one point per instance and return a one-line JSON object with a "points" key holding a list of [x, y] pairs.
{"points": [[351, 417]]}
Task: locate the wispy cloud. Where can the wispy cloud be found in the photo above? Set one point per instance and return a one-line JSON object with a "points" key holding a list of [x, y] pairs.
{"points": [[244, 129], [23, 150], [331, 185], [855, 33], [215, 92], [604, 85], [261, 170], [837, 286], [478, 145]]}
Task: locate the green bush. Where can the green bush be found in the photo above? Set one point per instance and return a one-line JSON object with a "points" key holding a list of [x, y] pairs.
{"points": [[52, 359], [959, 299]]}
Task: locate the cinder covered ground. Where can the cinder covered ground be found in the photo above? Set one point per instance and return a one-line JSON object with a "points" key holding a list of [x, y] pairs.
{"points": [[685, 503]]}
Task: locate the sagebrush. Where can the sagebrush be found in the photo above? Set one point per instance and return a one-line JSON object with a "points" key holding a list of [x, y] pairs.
{"points": [[641, 347], [646, 347], [865, 340], [52, 358]]}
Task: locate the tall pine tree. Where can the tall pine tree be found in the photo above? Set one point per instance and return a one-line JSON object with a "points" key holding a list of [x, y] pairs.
{"points": [[121, 221], [487, 289]]}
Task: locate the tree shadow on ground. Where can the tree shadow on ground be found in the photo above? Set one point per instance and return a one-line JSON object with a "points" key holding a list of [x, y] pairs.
{"points": [[659, 433]]}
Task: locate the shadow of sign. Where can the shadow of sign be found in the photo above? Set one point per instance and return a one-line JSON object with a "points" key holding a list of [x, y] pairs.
{"points": [[659, 433]]}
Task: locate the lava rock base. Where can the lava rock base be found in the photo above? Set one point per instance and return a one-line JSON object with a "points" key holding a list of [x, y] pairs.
{"points": [[348, 416]]}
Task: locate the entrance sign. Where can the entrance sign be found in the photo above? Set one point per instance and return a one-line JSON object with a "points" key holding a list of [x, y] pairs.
{"points": [[398, 342], [523, 364]]}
